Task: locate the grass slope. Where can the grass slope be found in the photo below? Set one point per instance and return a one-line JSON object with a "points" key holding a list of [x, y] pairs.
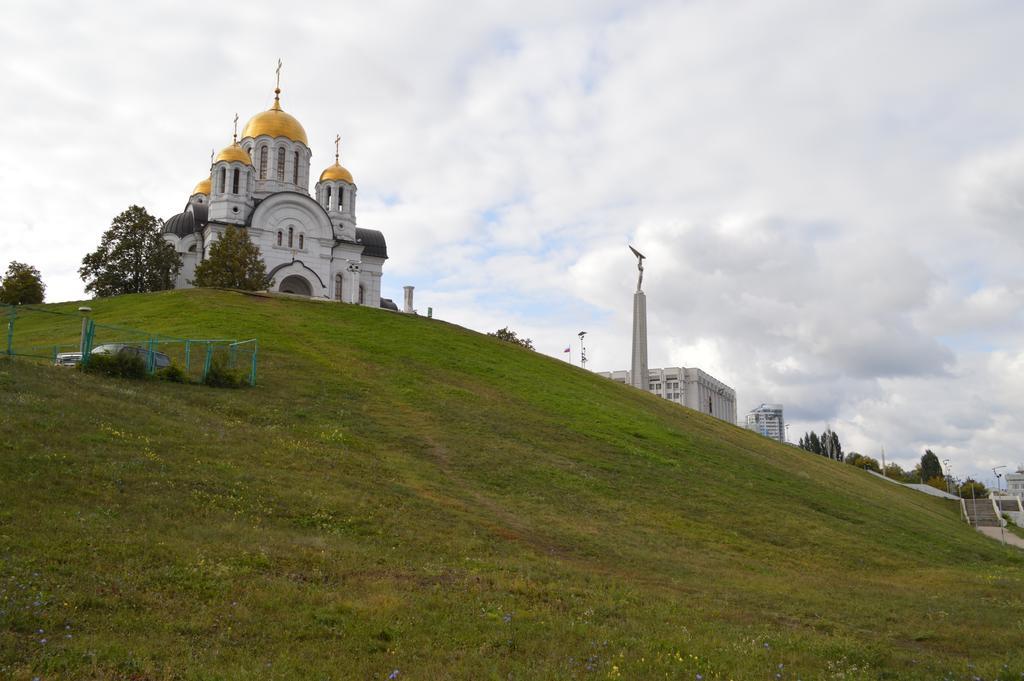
{"points": [[401, 494]]}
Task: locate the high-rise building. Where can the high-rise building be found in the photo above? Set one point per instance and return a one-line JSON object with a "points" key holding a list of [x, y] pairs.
{"points": [[768, 420], [689, 387]]}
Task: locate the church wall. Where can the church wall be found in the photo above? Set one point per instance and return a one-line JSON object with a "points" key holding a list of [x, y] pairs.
{"points": [[225, 205], [189, 259], [270, 184], [347, 263], [370, 275]]}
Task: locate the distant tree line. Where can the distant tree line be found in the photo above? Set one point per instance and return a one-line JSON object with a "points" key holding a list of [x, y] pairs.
{"points": [[827, 444], [928, 471]]}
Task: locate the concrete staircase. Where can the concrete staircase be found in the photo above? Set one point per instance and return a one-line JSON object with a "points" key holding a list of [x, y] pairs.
{"points": [[981, 512], [1009, 504]]}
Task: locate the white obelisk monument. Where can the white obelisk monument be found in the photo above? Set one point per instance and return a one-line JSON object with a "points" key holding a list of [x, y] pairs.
{"points": [[638, 372]]}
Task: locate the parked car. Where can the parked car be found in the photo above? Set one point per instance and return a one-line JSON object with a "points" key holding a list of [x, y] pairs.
{"points": [[160, 360], [67, 359]]}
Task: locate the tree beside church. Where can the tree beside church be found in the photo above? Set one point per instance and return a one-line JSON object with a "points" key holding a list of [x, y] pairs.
{"points": [[132, 257], [21, 285], [233, 262]]}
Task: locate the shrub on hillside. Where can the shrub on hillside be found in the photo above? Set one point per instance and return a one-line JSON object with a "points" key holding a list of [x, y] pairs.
{"points": [[219, 376], [172, 374], [508, 335], [118, 365]]}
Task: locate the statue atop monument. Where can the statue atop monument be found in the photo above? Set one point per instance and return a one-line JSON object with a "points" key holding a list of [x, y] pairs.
{"points": [[640, 266], [639, 374]]}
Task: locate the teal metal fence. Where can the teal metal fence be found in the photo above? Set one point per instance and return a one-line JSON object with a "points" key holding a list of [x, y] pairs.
{"points": [[68, 339]]}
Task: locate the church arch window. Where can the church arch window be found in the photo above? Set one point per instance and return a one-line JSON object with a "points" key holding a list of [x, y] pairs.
{"points": [[220, 180], [341, 197], [338, 287], [279, 237], [280, 164], [295, 169], [360, 294], [327, 199], [263, 162], [291, 236], [302, 241], [234, 181]]}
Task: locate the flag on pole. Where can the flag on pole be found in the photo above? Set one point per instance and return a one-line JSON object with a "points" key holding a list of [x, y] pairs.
{"points": [[567, 350]]}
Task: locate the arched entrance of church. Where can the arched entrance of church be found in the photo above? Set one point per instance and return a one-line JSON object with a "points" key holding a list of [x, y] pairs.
{"points": [[295, 284]]}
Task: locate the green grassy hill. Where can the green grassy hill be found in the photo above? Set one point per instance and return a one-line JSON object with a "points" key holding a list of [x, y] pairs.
{"points": [[398, 493]]}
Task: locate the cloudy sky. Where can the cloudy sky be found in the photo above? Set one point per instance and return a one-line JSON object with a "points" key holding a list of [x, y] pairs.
{"points": [[831, 194]]}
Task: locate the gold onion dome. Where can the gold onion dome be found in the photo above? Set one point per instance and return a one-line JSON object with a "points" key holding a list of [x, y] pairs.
{"points": [[275, 123], [336, 172], [232, 153], [203, 187]]}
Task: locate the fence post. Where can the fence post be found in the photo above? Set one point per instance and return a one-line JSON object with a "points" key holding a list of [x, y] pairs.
{"points": [[188, 354], [90, 332], [10, 331], [252, 371], [209, 360], [150, 357]]}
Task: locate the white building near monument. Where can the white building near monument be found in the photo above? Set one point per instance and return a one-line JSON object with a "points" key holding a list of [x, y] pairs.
{"points": [[310, 243], [689, 387], [1015, 482], [768, 421]]}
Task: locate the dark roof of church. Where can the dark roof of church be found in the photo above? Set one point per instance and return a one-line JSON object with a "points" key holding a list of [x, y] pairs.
{"points": [[192, 219], [180, 225], [373, 243]]}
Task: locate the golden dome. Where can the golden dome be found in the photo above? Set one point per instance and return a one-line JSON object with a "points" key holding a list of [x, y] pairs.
{"points": [[203, 187], [336, 172], [275, 123], [233, 153]]}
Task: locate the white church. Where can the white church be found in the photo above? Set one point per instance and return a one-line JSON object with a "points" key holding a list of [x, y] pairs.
{"points": [[310, 244]]}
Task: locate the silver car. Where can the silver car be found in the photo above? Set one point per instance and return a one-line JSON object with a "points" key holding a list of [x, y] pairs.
{"points": [[67, 359], [160, 360]]}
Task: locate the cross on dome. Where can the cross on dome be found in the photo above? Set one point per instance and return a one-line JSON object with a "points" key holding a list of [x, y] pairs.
{"points": [[277, 86]]}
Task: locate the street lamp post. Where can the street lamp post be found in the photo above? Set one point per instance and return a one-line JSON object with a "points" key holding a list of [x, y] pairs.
{"points": [[998, 475], [85, 310]]}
